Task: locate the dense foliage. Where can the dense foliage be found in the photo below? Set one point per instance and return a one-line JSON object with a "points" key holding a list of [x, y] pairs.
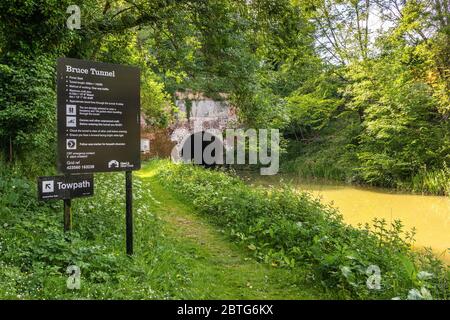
{"points": [[382, 115], [288, 229], [358, 88], [365, 83], [35, 252]]}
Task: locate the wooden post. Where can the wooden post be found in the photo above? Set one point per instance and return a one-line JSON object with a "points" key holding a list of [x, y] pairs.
{"points": [[67, 215], [10, 150]]}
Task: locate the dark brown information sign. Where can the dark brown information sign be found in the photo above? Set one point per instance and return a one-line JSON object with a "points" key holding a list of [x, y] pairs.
{"points": [[98, 116], [65, 187]]}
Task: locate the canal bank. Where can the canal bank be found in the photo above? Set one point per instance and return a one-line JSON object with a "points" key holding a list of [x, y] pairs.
{"points": [[429, 215]]}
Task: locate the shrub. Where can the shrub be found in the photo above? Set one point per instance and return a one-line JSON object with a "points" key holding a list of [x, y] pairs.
{"points": [[289, 229]]}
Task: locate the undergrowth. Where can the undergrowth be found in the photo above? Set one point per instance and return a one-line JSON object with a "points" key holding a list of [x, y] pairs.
{"points": [[288, 229], [35, 252]]}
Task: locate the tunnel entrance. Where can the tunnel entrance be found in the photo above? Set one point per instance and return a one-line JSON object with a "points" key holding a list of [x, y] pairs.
{"points": [[204, 138]]}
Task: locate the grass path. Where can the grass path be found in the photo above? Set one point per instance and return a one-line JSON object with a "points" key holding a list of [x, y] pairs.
{"points": [[218, 269]]}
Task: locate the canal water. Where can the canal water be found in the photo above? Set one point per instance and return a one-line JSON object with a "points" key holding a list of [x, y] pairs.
{"points": [[430, 215]]}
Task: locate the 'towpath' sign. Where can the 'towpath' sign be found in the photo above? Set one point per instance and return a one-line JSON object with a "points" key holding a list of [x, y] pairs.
{"points": [[62, 187], [98, 116]]}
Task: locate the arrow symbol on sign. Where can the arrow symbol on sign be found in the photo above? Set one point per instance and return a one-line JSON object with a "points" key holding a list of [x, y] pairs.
{"points": [[48, 186]]}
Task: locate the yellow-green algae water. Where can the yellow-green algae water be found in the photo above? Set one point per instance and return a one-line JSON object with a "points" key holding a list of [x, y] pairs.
{"points": [[430, 215]]}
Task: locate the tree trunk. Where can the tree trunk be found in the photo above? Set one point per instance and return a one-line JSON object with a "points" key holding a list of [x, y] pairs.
{"points": [[10, 150]]}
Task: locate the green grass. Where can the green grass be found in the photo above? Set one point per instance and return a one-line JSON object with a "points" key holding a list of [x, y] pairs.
{"points": [[219, 269], [293, 231], [325, 158], [178, 255], [431, 182], [332, 162], [35, 252], [199, 234]]}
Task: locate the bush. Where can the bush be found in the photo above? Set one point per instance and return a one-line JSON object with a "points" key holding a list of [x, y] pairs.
{"points": [[27, 109], [289, 229]]}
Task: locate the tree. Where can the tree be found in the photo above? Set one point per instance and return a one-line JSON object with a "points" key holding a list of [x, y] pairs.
{"points": [[33, 34]]}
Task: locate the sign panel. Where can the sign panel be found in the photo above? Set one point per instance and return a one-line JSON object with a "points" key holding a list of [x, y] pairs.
{"points": [[145, 145], [65, 187], [98, 116]]}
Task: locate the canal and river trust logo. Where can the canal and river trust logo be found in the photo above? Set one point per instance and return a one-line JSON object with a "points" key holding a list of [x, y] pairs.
{"points": [[113, 164]]}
